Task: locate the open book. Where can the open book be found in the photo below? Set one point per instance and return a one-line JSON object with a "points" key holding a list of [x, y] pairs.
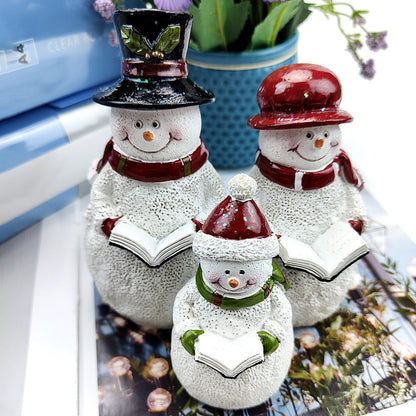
{"points": [[331, 253], [228, 356], [153, 252]]}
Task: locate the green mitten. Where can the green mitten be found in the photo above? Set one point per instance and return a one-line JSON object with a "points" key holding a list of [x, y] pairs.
{"points": [[188, 339], [270, 343]]}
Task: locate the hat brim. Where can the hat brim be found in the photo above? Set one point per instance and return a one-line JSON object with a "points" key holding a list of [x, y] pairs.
{"points": [[153, 94], [223, 249], [274, 121]]}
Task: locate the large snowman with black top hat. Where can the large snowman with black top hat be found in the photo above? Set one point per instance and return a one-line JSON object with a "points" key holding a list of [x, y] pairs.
{"points": [[236, 299], [306, 181], [154, 173]]}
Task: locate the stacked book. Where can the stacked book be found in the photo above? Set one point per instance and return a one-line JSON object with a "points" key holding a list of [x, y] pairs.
{"points": [[53, 55]]}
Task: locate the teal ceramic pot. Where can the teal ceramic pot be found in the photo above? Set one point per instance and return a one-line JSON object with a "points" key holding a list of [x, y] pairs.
{"points": [[234, 78]]}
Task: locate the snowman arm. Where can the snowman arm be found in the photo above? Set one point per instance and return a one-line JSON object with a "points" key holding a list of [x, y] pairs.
{"points": [[213, 191], [279, 321], [183, 315], [101, 205], [356, 210]]}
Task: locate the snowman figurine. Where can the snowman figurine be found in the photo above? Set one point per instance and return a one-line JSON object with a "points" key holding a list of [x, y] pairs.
{"points": [[305, 181], [234, 306], [154, 173]]}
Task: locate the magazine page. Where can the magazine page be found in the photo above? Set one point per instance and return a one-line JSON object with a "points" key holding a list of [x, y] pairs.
{"points": [[360, 360]]}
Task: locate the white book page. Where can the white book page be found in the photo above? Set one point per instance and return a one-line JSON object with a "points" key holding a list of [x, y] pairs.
{"points": [[228, 353], [338, 245], [125, 231], [293, 249]]}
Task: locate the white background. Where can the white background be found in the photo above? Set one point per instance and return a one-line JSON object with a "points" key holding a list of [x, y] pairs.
{"points": [[381, 140]]}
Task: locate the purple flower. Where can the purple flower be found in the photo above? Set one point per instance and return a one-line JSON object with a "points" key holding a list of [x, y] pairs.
{"points": [[173, 4], [376, 41], [367, 69], [359, 20], [105, 8], [355, 44], [112, 38]]}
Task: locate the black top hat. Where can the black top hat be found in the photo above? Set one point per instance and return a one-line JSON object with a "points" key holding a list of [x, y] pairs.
{"points": [[153, 44]]}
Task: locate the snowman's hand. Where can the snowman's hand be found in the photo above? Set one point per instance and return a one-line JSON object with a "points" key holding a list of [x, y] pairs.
{"points": [[270, 343], [108, 225], [357, 225], [188, 339]]}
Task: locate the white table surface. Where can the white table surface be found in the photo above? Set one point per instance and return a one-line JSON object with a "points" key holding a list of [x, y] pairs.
{"points": [[46, 295]]}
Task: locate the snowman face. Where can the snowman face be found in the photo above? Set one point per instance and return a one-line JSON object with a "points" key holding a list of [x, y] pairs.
{"points": [[308, 148], [156, 135], [235, 279]]}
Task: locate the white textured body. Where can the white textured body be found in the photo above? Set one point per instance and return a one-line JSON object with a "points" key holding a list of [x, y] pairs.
{"points": [[140, 293], [304, 215], [254, 385]]}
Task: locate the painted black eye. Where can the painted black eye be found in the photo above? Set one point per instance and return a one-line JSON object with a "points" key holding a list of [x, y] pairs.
{"points": [[227, 272], [242, 272], [309, 135], [326, 134], [138, 124], [156, 124]]}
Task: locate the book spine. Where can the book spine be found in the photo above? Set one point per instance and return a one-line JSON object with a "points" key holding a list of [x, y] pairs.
{"points": [[44, 155]]}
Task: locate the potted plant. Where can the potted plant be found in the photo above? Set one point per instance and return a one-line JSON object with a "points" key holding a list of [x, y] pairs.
{"points": [[235, 43]]}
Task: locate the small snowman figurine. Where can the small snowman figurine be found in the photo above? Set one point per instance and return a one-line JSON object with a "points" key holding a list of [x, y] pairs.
{"points": [[234, 309], [306, 182], [154, 175]]}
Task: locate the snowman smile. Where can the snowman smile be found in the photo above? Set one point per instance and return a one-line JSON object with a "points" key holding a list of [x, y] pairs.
{"points": [[228, 289], [295, 149], [171, 138]]}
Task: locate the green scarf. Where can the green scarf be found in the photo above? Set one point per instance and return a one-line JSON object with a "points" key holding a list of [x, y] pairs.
{"points": [[231, 303]]}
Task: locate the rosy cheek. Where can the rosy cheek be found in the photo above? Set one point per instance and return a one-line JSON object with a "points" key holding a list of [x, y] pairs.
{"points": [[123, 132], [292, 144], [251, 282], [214, 278], [177, 133]]}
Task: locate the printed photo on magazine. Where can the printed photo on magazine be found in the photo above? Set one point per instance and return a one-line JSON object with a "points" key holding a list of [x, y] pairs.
{"points": [[360, 360]]}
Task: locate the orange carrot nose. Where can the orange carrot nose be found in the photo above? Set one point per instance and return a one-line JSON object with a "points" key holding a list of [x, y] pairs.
{"points": [[319, 143], [233, 283], [148, 136]]}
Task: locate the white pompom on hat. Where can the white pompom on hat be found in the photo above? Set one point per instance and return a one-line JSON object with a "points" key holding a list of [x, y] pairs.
{"points": [[236, 230]]}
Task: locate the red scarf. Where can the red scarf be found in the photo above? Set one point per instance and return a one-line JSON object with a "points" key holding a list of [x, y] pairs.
{"points": [[153, 171], [305, 181]]}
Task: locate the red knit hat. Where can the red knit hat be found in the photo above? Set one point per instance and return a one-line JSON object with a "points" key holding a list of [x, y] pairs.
{"points": [[236, 229], [299, 95]]}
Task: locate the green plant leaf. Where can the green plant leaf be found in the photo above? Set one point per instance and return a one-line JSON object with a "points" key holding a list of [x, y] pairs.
{"points": [[266, 32], [217, 23], [137, 43], [301, 15], [168, 39]]}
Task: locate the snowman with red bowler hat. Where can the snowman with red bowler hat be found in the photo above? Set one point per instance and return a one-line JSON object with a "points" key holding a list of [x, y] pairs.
{"points": [[154, 173], [306, 181]]}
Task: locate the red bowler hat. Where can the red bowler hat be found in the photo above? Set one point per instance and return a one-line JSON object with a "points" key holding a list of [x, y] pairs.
{"points": [[299, 95]]}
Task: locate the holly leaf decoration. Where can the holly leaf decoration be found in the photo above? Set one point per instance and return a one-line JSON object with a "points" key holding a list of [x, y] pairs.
{"points": [[217, 23], [168, 39], [266, 32], [137, 43]]}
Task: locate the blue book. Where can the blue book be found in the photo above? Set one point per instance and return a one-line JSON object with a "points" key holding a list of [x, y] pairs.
{"points": [[50, 49], [44, 154]]}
